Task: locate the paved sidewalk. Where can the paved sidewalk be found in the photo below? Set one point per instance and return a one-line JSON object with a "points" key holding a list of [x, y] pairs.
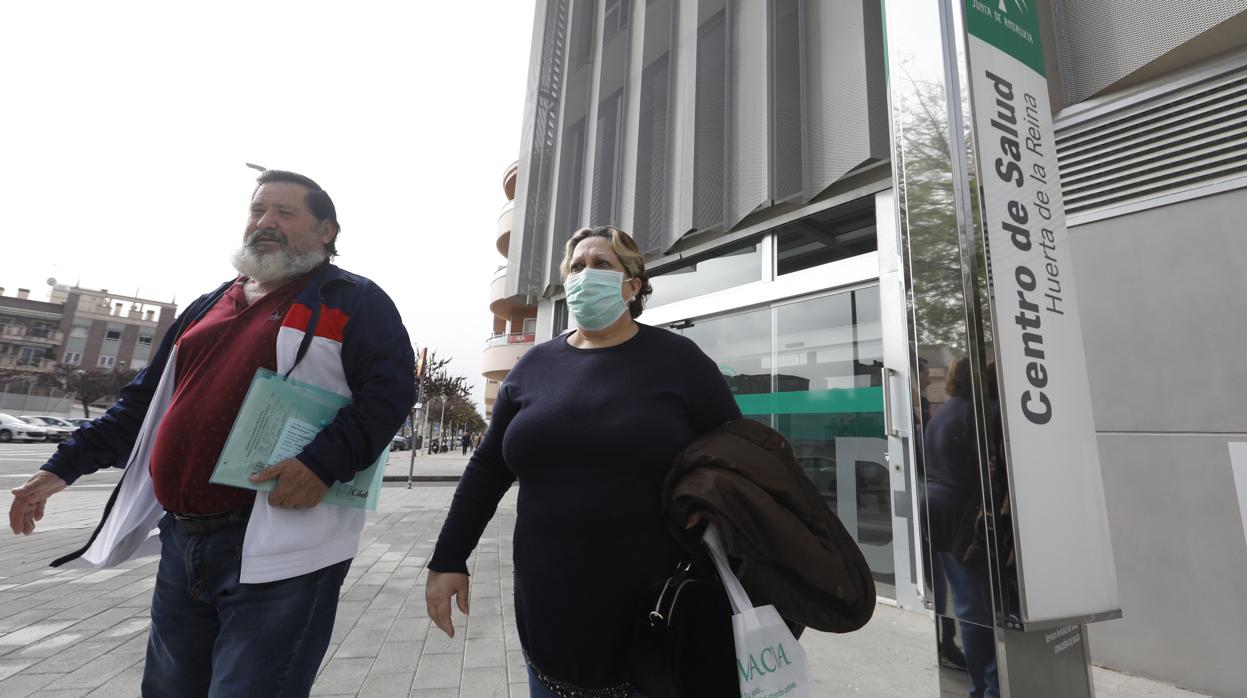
{"points": [[425, 467], [74, 633]]}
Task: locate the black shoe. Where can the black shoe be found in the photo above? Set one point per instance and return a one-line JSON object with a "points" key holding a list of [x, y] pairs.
{"points": [[952, 658]]}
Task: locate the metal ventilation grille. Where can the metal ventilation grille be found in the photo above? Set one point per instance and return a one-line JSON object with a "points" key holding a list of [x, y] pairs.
{"points": [[1192, 136]]}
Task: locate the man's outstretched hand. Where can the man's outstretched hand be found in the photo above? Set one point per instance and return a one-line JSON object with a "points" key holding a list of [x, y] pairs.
{"points": [[29, 500], [297, 487]]}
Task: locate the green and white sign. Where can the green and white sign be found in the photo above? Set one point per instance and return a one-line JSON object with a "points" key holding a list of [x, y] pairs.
{"points": [[1062, 540]]}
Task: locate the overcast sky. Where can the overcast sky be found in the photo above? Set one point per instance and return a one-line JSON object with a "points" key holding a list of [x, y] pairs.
{"points": [[125, 126]]}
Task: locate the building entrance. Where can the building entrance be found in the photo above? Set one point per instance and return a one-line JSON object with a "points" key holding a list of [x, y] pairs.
{"points": [[812, 369]]}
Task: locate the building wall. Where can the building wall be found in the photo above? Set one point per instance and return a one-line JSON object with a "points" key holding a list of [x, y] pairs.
{"points": [[1162, 300], [1153, 147]]}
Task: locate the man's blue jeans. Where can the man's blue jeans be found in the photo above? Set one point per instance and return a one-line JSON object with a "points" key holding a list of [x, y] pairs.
{"points": [[214, 636]]}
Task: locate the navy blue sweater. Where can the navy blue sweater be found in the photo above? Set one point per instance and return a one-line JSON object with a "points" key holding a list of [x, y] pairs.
{"points": [[590, 435]]}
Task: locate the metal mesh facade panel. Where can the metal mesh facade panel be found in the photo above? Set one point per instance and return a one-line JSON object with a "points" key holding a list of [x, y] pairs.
{"points": [[606, 161], [786, 137], [529, 240], [1102, 41], [571, 177], [728, 107], [710, 129], [837, 115], [569, 207], [748, 164], [649, 220]]}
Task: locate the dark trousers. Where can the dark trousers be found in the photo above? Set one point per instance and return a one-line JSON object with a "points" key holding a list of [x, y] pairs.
{"points": [[212, 635], [972, 604]]}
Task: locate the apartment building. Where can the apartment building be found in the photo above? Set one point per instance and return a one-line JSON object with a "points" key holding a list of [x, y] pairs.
{"points": [[80, 327], [514, 314]]}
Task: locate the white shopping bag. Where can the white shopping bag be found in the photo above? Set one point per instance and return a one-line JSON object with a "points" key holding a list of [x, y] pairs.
{"points": [[769, 661]]}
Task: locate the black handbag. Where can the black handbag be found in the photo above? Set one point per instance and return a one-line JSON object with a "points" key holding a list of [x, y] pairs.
{"points": [[683, 646]]}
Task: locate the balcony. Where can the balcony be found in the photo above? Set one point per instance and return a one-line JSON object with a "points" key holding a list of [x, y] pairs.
{"points": [[505, 220], [508, 179], [500, 304], [502, 351], [19, 363], [26, 335], [491, 395]]}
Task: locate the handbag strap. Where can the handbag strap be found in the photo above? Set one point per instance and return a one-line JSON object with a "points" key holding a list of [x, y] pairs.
{"points": [[735, 592]]}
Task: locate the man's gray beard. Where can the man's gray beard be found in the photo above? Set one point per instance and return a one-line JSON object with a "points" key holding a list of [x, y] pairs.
{"points": [[277, 265]]}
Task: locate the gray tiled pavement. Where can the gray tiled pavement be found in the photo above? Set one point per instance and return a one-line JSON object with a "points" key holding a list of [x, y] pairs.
{"points": [[74, 633]]}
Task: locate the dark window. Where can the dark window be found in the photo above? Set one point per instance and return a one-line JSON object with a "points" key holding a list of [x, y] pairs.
{"points": [[580, 43], [560, 317], [29, 356], [615, 17], [824, 237]]}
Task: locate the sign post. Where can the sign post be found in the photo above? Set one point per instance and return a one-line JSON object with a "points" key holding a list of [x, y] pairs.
{"points": [[1019, 556]]}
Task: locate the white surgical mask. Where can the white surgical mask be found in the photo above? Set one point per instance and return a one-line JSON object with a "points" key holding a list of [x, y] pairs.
{"points": [[595, 298]]}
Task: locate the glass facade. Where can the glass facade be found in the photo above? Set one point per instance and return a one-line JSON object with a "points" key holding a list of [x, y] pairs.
{"points": [[822, 238], [733, 266], [811, 369]]}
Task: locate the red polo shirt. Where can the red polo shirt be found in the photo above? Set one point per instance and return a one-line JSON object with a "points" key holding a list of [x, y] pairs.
{"points": [[217, 359]]}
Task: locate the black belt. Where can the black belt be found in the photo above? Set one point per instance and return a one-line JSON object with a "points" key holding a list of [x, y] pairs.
{"points": [[203, 524]]}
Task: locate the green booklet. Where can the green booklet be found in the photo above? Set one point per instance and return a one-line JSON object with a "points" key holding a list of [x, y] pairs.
{"points": [[278, 418]]}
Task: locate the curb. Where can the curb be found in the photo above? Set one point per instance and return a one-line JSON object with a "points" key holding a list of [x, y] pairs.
{"points": [[421, 478]]}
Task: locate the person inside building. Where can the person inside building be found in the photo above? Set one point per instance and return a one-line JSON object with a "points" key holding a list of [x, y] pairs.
{"points": [[955, 511], [621, 400], [247, 586]]}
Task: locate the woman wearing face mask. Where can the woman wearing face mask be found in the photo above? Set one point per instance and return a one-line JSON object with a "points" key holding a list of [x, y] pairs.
{"points": [[588, 423]]}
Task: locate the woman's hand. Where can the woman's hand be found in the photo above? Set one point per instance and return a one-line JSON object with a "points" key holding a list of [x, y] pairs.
{"points": [[437, 592]]}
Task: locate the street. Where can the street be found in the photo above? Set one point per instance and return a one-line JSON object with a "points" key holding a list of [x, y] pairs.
{"points": [[81, 632]]}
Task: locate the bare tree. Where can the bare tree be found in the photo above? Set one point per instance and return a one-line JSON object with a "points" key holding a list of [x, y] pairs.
{"points": [[92, 384]]}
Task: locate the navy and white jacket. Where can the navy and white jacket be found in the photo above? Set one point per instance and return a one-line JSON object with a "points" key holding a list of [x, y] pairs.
{"points": [[342, 333]]}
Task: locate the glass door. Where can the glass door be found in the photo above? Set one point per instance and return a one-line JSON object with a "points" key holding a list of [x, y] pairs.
{"points": [[812, 369]]}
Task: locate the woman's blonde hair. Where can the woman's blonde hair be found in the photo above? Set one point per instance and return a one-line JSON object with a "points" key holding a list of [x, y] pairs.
{"points": [[625, 248], [957, 382]]}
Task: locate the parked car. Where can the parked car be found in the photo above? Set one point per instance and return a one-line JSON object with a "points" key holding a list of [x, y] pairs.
{"points": [[14, 428], [57, 428], [400, 443], [80, 422]]}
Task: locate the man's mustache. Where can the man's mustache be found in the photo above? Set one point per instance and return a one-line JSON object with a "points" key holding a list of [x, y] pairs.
{"points": [[258, 236]]}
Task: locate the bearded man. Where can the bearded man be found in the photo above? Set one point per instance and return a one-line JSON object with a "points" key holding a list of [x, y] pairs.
{"points": [[247, 586]]}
